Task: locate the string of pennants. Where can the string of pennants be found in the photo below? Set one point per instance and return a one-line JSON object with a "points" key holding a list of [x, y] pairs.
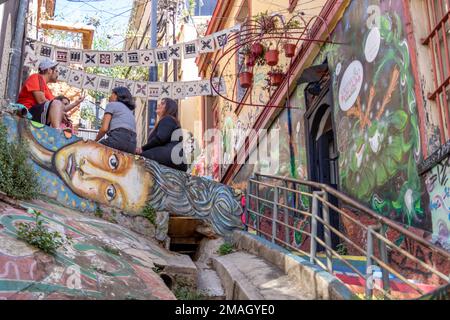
{"points": [[141, 89], [147, 57]]}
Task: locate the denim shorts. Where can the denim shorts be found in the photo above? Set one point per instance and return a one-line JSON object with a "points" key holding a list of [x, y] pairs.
{"points": [[121, 139]]}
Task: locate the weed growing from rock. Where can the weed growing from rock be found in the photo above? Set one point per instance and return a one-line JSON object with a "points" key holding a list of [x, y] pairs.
{"points": [[150, 213], [17, 177], [39, 236], [225, 248]]}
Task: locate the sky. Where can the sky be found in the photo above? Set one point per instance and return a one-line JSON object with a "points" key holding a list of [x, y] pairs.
{"points": [[112, 14]]}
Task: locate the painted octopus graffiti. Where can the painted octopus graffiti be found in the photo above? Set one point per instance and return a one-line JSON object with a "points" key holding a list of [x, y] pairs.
{"points": [[81, 173], [378, 134]]}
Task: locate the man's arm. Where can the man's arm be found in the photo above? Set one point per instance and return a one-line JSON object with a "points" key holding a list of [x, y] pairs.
{"points": [[105, 126], [39, 96]]}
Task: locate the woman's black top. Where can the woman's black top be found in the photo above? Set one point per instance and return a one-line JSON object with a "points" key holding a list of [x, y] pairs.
{"points": [[160, 145], [162, 135]]}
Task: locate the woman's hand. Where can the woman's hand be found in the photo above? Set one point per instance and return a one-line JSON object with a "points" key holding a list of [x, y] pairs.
{"points": [[138, 150]]}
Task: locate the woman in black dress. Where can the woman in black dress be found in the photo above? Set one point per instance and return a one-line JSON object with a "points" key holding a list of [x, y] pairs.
{"points": [[160, 144]]}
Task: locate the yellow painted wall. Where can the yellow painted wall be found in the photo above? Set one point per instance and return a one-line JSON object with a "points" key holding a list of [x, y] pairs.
{"points": [[244, 118]]}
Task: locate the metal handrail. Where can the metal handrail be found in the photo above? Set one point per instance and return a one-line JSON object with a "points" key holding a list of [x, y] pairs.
{"points": [[373, 231]]}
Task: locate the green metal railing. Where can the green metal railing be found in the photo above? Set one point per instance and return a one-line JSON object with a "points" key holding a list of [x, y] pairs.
{"points": [[282, 190]]}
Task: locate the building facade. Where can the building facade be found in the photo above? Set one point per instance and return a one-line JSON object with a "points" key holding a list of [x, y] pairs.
{"points": [[374, 125]]}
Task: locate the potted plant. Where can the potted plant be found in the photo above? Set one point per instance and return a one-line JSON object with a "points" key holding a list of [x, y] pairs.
{"points": [[276, 76], [266, 23], [289, 47], [257, 49], [246, 79], [272, 56]]}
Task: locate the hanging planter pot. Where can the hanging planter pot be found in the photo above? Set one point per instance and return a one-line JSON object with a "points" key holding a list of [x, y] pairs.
{"points": [[257, 49], [250, 61], [289, 50], [272, 57], [246, 79], [276, 78]]}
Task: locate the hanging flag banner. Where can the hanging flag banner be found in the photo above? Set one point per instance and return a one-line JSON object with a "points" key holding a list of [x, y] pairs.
{"points": [[149, 57], [190, 49]]}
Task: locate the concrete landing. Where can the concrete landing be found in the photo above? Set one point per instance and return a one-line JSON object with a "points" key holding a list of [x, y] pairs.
{"points": [[248, 277], [105, 260]]}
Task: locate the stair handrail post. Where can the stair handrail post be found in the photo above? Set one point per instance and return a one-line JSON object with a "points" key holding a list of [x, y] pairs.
{"points": [[275, 213], [256, 178], [286, 214], [247, 203], [314, 213], [326, 218], [369, 266], [384, 257]]}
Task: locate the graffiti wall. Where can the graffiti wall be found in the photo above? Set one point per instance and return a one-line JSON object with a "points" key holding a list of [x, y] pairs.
{"points": [[437, 182], [375, 111], [80, 174]]}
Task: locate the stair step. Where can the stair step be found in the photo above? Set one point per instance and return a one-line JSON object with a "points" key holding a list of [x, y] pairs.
{"points": [[248, 277], [208, 283]]}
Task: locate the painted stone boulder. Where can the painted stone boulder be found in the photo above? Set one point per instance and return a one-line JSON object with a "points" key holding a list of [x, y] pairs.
{"points": [[81, 174]]}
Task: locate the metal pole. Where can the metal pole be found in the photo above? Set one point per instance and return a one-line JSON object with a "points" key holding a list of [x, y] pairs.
{"points": [[314, 212], [247, 204], [287, 237], [175, 62], [15, 71], [257, 207], [153, 71], [275, 214], [384, 258], [369, 267], [326, 218]]}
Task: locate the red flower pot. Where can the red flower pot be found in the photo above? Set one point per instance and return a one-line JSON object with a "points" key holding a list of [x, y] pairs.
{"points": [[246, 79], [251, 61], [256, 49], [272, 57], [276, 79], [289, 50]]}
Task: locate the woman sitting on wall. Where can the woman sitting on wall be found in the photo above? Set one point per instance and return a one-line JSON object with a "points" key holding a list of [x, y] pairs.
{"points": [[119, 122], [161, 144]]}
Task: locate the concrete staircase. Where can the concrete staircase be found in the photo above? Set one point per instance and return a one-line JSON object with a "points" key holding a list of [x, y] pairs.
{"points": [[248, 277]]}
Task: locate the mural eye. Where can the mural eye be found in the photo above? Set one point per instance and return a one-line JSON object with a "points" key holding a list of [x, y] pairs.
{"points": [[110, 193], [113, 162]]}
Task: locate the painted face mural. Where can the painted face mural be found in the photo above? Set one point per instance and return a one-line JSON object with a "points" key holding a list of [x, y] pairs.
{"points": [[103, 174], [82, 174]]}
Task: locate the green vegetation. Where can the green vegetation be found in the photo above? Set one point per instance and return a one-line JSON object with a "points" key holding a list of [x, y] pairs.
{"points": [[17, 178], [98, 212], [39, 236], [111, 250], [225, 249], [186, 293], [149, 213]]}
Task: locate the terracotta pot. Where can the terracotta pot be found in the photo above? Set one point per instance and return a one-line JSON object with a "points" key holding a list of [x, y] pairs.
{"points": [[246, 79], [257, 49], [276, 79], [289, 50], [250, 61], [272, 57]]}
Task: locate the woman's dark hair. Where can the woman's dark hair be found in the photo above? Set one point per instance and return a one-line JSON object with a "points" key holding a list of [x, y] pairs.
{"points": [[171, 108], [124, 96], [61, 98]]}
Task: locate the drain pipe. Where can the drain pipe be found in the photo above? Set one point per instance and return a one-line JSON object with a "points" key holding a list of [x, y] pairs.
{"points": [[16, 52]]}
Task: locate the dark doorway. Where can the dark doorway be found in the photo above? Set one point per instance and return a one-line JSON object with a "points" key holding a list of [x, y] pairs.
{"points": [[321, 143]]}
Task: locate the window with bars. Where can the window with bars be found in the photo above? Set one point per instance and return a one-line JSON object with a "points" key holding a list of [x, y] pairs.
{"points": [[438, 40]]}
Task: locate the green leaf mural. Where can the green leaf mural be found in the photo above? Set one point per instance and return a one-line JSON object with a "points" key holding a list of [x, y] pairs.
{"points": [[380, 149]]}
